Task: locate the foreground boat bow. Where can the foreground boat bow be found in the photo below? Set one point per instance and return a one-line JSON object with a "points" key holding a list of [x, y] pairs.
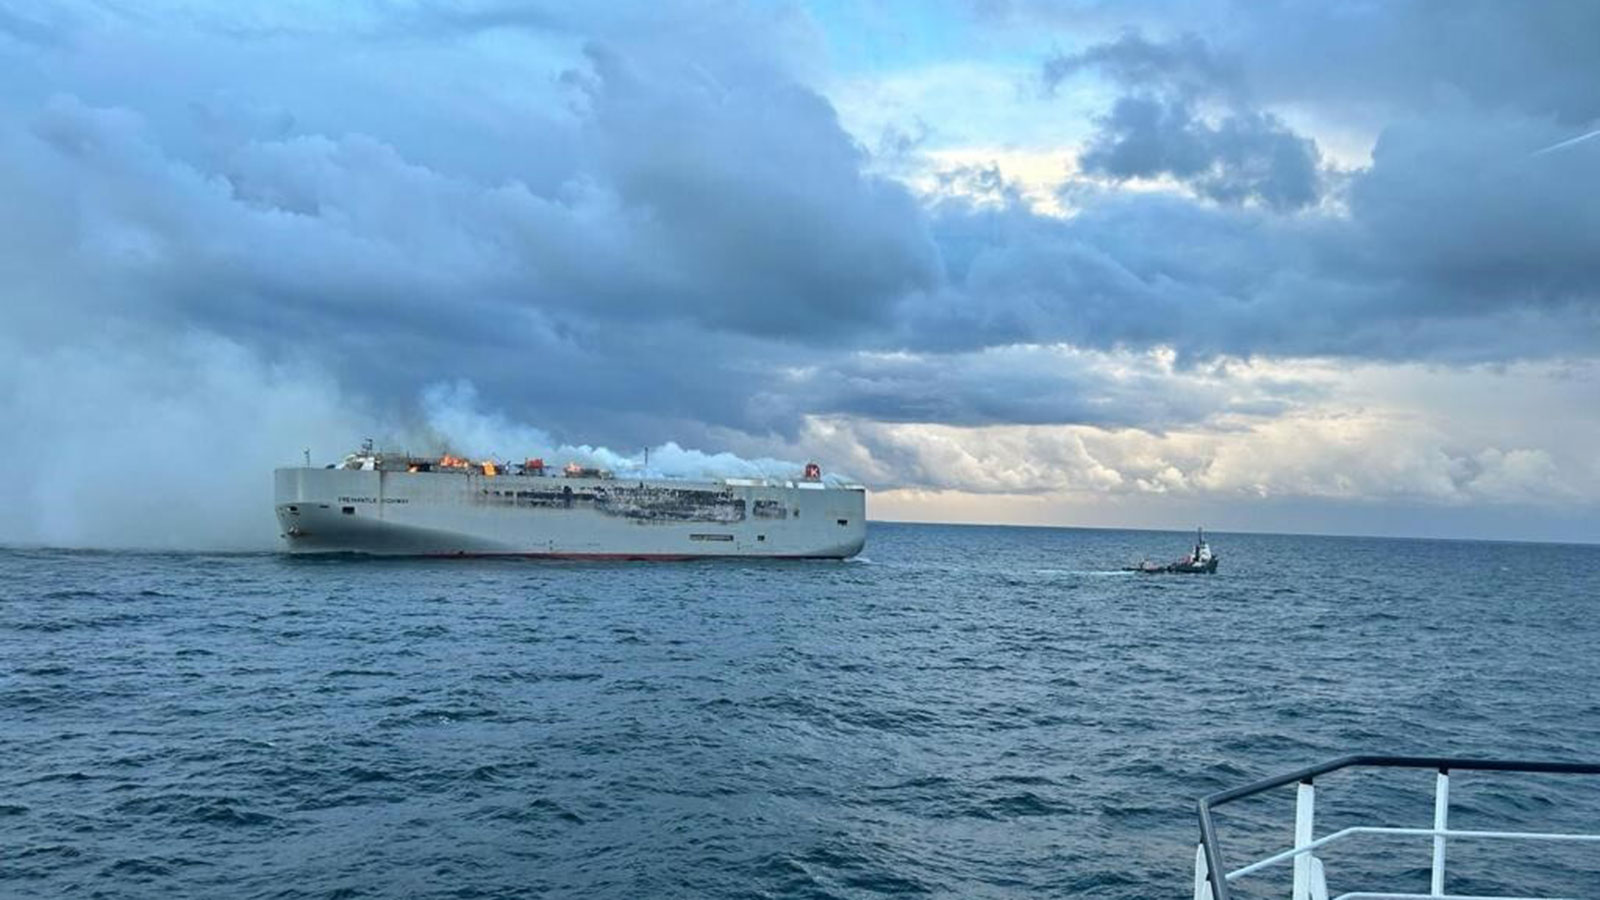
{"points": [[1213, 880]]}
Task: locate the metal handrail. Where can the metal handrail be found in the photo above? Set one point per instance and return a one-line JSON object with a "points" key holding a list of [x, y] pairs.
{"points": [[1210, 871]]}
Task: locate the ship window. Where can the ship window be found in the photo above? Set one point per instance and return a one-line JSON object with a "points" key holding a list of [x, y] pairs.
{"points": [[844, 521], [351, 510], [761, 537], [294, 509], [710, 537]]}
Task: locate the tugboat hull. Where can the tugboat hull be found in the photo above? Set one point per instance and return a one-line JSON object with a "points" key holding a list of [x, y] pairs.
{"points": [[1209, 567], [1201, 562]]}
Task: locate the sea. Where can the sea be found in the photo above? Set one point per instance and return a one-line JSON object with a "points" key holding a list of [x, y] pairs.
{"points": [[972, 712]]}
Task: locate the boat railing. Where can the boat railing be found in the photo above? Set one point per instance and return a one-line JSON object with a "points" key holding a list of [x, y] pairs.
{"points": [[1212, 878]]}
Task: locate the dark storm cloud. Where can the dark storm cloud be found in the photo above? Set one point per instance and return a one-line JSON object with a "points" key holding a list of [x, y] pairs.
{"points": [[1024, 386], [1455, 244], [1131, 271], [757, 203], [1185, 64], [1537, 57], [1461, 208], [1245, 156], [386, 272], [737, 207], [1236, 154], [29, 28], [712, 223]]}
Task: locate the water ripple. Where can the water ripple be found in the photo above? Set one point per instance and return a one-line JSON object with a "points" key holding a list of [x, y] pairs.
{"points": [[977, 712]]}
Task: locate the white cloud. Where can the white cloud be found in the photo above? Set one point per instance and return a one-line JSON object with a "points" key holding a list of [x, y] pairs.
{"points": [[1487, 440], [966, 104], [1037, 174]]}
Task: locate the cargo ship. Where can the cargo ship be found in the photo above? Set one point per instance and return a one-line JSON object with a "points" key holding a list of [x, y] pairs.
{"points": [[400, 505]]}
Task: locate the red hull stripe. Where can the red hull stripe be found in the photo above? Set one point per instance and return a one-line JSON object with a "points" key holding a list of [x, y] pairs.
{"points": [[625, 557]]}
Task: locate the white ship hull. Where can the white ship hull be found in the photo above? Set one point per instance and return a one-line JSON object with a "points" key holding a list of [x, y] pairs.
{"points": [[467, 513]]}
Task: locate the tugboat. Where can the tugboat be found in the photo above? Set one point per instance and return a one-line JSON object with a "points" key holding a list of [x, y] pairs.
{"points": [[1201, 562]]}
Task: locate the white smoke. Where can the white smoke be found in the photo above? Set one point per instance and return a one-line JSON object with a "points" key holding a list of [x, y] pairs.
{"points": [[455, 423], [170, 442], [166, 442]]}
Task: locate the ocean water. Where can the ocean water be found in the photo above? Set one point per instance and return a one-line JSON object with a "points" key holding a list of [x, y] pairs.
{"points": [[964, 712]]}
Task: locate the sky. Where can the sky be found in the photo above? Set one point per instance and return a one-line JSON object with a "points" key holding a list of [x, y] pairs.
{"points": [[1262, 266]]}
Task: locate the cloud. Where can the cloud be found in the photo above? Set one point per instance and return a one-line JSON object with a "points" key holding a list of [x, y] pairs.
{"points": [[1041, 385], [1186, 65], [1534, 59], [757, 204], [694, 222], [722, 216], [1244, 157], [1377, 59], [1454, 244], [1375, 451], [1455, 205], [28, 29], [639, 226], [1237, 153]]}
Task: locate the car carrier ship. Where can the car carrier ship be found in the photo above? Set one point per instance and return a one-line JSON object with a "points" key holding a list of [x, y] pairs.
{"points": [[396, 504]]}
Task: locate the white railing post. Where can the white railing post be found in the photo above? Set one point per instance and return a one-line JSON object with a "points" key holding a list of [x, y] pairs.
{"points": [[1319, 880], [1202, 875], [1304, 809], [1441, 821]]}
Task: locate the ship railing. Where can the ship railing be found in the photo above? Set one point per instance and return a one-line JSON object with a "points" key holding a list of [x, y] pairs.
{"points": [[1212, 878]]}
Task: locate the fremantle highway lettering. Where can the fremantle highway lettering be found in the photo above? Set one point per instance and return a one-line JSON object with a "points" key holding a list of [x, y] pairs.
{"points": [[373, 500]]}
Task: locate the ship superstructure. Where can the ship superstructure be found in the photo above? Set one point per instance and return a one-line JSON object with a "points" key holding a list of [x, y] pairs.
{"points": [[396, 504]]}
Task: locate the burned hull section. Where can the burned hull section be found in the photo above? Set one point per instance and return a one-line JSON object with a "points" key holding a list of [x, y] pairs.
{"points": [[640, 501], [451, 513]]}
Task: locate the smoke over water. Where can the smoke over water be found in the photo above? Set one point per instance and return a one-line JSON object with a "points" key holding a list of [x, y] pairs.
{"points": [[170, 443], [155, 441]]}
